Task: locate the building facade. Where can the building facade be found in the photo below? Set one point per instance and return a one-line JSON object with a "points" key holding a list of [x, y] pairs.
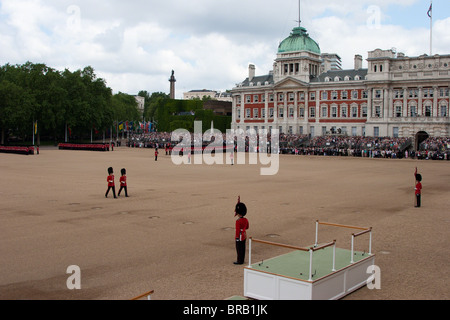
{"points": [[204, 93], [395, 96]]}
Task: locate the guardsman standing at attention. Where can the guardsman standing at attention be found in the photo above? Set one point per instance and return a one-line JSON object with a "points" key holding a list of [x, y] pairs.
{"points": [[156, 154], [110, 180], [241, 235], [418, 188]]}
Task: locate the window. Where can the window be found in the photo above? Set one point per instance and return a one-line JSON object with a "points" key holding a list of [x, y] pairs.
{"points": [[364, 111], [334, 112], [302, 96], [344, 111], [428, 112], [281, 97], [291, 112], [247, 113], [344, 95], [324, 95], [365, 94], [443, 92], [324, 131], [290, 130], [255, 98], [324, 112], [398, 94], [301, 112], [270, 112], [312, 112], [354, 132], [271, 97], [413, 111], [428, 93], [238, 113], [355, 94], [334, 95], [377, 111], [354, 112], [376, 131], [256, 113], [281, 112], [291, 97], [413, 93], [248, 99], [395, 132], [263, 113], [378, 94], [398, 111], [300, 130], [443, 112], [312, 96]]}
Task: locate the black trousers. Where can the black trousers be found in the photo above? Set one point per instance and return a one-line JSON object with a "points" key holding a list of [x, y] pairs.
{"points": [[113, 189], [120, 190], [240, 251], [417, 200]]}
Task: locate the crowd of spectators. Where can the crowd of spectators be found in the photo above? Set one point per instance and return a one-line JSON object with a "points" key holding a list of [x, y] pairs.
{"points": [[330, 145]]}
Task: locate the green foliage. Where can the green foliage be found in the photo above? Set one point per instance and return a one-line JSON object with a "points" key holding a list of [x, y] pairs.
{"points": [[176, 114], [82, 102], [56, 99]]}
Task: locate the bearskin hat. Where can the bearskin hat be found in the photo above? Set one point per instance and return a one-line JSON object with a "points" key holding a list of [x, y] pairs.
{"points": [[241, 209]]}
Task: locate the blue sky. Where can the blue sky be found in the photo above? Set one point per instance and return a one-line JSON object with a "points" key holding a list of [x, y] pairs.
{"points": [[135, 44]]}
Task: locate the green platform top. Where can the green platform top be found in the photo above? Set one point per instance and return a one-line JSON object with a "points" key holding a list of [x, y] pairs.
{"points": [[296, 263], [299, 40]]}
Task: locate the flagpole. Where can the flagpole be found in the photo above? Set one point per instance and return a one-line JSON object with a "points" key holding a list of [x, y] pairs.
{"points": [[431, 27]]}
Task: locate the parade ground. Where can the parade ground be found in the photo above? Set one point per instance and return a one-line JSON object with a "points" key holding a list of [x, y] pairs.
{"points": [[174, 234]]}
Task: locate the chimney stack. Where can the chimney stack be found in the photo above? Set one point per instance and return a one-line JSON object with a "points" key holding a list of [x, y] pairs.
{"points": [[251, 72], [358, 62]]}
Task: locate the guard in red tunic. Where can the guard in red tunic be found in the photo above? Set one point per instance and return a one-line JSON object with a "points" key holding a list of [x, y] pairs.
{"points": [[156, 154], [123, 182], [418, 188], [241, 235], [111, 184]]}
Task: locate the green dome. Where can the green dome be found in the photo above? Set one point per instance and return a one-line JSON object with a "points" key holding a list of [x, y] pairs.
{"points": [[299, 40]]}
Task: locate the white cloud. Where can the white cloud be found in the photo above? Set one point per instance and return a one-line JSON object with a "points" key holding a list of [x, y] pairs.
{"points": [[135, 44]]}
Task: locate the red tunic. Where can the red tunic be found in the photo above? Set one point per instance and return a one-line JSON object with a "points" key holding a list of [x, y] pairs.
{"points": [[123, 181], [110, 180], [241, 225], [418, 188]]}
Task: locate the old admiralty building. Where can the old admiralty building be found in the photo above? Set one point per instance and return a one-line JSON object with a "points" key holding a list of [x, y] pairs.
{"points": [[308, 93]]}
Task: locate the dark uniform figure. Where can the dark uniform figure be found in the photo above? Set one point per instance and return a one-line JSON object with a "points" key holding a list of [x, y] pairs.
{"points": [[418, 188], [123, 182], [241, 236], [111, 184]]}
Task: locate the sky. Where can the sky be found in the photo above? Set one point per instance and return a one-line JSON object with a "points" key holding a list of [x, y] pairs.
{"points": [[134, 45]]}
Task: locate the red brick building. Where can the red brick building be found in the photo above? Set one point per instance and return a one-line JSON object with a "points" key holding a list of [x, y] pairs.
{"points": [[395, 96]]}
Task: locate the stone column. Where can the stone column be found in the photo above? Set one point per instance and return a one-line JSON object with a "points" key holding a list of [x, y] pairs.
{"points": [[435, 102], [405, 102]]}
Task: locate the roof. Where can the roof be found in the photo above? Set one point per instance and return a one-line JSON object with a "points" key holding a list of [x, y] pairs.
{"points": [[259, 79], [352, 74], [299, 40]]}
